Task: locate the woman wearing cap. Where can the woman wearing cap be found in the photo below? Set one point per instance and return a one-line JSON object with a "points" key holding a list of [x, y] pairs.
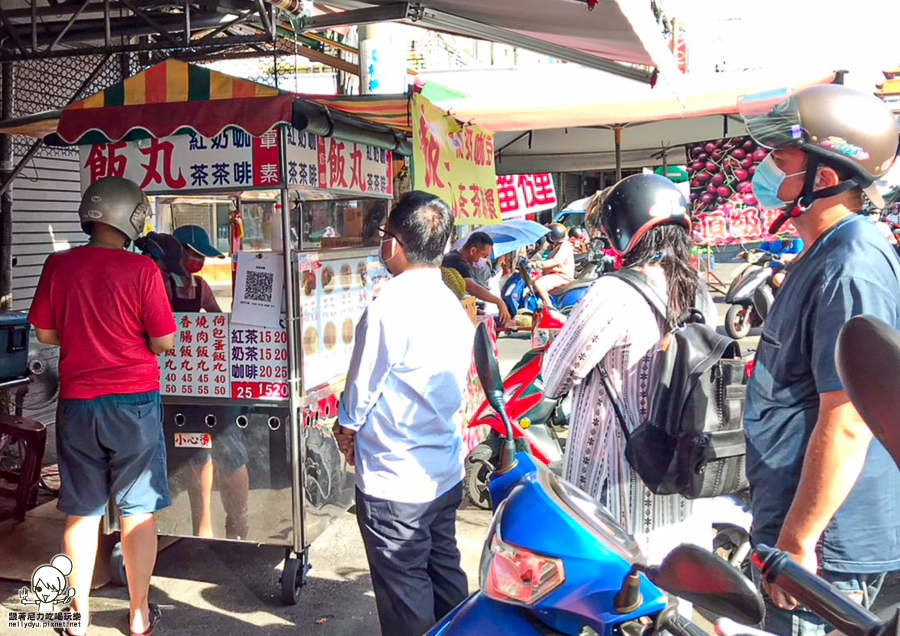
{"points": [[189, 292]]}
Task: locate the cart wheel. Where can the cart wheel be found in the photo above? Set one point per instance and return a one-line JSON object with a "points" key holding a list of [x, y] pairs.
{"points": [[292, 579], [117, 566]]}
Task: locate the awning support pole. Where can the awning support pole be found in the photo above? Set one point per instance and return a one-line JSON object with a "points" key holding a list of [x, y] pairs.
{"points": [[6, 177]]}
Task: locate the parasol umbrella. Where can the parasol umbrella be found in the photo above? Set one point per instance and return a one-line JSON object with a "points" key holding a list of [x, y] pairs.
{"points": [[509, 235]]}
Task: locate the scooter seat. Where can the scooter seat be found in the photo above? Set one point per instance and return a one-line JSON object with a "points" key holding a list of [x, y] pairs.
{"points": [[578, 284]]}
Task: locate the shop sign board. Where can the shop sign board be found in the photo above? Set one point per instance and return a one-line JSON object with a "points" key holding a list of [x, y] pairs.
{"points": [[521, 194], [340, 166], [455, 163], [259, 369], [232, 160]]}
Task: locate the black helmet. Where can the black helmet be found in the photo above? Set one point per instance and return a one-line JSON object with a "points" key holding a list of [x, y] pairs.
{"points": [[576, 232], [557, 232], [636, 204]]}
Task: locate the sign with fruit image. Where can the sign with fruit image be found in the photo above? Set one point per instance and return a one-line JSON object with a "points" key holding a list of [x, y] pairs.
{"points": [[723, 207]]}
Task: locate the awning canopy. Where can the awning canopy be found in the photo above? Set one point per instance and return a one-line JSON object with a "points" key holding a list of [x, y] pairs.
{"points": [[595, 35], [174, 97], [559, 117]]}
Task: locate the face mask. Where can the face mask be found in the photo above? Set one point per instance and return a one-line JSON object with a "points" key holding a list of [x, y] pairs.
{"points": [[767, 182], [385, 261], [482, 263], [193, 264]]}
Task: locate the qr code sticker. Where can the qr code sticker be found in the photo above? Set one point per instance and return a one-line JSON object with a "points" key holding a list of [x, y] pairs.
{"points": [[259, 286]]}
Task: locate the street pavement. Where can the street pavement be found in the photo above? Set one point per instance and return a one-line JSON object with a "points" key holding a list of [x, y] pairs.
{"points": [[206, 587]]}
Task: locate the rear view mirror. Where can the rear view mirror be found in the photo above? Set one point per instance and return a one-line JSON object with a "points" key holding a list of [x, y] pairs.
{"points": [[868, 359], [488, 369], [698, 576]]}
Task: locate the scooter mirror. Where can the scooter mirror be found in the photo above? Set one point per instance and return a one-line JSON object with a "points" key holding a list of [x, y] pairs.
{"points": [[488, 369], [698, 576], [868, 358]]}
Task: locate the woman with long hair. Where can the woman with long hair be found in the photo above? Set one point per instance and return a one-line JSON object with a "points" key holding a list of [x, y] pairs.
{"points": [[645, 218]]}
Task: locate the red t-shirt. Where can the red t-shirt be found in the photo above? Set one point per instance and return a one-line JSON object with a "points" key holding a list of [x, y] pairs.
{"points": [[103, 304]]}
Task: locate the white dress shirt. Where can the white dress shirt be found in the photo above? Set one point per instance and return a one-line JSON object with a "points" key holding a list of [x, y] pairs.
{"points": [[404, 388]]}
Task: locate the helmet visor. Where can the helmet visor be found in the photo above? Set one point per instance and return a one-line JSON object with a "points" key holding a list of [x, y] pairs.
{"points": [[773, 119]]}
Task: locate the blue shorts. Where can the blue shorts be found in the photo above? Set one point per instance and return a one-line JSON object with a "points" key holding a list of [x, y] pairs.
{"points": [[111, 446]]}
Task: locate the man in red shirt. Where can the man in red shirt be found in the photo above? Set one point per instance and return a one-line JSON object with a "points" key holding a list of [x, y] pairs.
{"points": [[107, 310]]}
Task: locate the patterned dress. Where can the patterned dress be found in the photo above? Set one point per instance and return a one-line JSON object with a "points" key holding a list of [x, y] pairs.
{"points": [[614, 326]]}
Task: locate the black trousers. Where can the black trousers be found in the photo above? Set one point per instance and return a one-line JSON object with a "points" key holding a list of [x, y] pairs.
{"points": [[413, 559]]}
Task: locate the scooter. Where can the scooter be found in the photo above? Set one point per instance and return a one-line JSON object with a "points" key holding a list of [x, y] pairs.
{"points": [[535, 418], [752, 293], [556, 563]]}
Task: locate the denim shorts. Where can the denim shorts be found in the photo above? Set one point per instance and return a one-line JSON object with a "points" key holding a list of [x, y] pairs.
{"points": [[111, 447]]}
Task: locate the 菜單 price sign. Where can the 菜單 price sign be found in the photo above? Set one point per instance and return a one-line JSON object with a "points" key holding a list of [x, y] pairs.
{"points": [[198, 365], [233, 159], [521, 194], [455, 163], [259, 363]]}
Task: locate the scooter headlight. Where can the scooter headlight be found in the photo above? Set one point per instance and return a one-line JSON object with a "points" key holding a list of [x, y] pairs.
{"points": [[511, 574]]}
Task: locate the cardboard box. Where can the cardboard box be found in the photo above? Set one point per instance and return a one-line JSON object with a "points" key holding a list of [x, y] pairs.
{"points": [[353, 222], [468, 304]]}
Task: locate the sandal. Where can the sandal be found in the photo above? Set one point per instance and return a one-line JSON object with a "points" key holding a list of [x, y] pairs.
{"points": [[154, 615], [64, 631]]}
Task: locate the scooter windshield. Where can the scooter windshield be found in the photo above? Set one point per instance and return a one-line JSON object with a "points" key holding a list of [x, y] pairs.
{"points": [[593, 517]]}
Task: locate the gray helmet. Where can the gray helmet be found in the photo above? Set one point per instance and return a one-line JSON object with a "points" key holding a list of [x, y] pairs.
{"points": [[116, 202], [841, 127]]}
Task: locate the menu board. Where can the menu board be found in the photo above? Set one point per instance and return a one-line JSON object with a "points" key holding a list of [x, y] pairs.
{"points": [[198, 365], [333, 296], [214, 358], [258, 362]]}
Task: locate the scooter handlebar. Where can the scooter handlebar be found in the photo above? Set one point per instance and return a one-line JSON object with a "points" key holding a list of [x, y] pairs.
{"points": [[681, 626], [816, 593]]}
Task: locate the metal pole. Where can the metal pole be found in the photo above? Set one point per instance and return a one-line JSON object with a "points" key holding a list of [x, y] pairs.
{"points": [[617, 131], [6, 177], [291, 318]]}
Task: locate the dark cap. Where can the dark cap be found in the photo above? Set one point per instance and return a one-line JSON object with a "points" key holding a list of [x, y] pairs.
{"points": [[196, 237], [164, 248]]}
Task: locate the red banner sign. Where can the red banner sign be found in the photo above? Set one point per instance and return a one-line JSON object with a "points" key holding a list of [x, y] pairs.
{"points": [[521, 194]]}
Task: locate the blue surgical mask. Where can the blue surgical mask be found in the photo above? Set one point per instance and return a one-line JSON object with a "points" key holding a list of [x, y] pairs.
{"points": [[767, 182]]}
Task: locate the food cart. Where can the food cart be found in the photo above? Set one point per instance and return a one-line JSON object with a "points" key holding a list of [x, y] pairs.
{"points": [[249, 395]]}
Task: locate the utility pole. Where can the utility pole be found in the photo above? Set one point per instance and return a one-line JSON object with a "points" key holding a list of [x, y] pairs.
{"points": [[6, 200], [382, 59]]}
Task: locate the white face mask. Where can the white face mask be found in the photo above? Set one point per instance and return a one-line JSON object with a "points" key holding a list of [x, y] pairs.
{"points": [[482, 263]]}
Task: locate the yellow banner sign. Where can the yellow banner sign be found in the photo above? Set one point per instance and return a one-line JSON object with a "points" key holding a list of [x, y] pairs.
{"points": [[454, 162]]}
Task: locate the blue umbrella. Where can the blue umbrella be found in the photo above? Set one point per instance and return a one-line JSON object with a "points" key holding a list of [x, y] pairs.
{"points": [[509, 235]]}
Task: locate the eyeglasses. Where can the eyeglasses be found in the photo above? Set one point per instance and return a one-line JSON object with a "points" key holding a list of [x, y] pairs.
{"points": [[384, 234]]}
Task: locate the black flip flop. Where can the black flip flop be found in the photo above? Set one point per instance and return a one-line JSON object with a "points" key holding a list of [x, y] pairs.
{"points": [[155, 615]]}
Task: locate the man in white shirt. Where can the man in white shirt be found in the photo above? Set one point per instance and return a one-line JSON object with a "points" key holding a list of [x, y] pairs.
{"points": [[396, 422]]}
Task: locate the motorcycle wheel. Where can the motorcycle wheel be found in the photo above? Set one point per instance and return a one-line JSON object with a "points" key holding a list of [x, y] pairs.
{"points": [[737, 321], [480, 465], [733, 544]]}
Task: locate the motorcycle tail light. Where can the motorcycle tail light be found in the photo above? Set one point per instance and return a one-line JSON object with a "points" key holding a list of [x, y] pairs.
{"points": [[511, 574], [748, 371]]}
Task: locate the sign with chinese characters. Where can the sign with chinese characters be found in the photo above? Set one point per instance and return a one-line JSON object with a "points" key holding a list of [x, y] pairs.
{"points": [[233, 159], [521, 194], [193, 440], [216, 358], [454, 162], [198, 365], [259, 368], [333, 297], [342, 166]]}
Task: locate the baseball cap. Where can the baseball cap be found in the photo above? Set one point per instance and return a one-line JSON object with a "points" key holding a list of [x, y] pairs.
{"points": [[164, 248], [196, 237]]}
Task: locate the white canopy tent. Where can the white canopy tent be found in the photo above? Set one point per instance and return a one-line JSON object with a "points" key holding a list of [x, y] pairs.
{"points": [[561, 117]]}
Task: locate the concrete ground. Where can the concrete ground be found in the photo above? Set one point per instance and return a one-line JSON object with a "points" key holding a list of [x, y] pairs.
{"points": [[218, 588]]}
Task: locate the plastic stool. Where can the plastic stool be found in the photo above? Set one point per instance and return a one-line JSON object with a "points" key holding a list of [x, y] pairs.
{"points": [[34, 436]]}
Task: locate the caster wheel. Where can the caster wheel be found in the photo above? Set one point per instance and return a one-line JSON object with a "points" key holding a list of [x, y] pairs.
{"points": [[117, 566], [293, 578]]}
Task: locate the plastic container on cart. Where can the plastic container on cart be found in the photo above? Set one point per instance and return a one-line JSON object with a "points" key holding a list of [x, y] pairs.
{"points": [[14, 335]]}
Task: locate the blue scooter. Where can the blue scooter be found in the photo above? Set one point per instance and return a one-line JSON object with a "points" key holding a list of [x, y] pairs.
{"points": [[518, 296], [556, 563]]}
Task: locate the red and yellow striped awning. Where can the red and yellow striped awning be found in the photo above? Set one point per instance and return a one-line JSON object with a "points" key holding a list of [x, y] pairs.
{"points": [[388, 110], [171, 96]]}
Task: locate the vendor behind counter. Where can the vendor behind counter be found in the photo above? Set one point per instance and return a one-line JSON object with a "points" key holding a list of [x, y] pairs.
{"points": [[179, 258]]}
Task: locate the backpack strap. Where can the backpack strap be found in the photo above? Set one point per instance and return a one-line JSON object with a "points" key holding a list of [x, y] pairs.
{"points": [[620, 415], [642, 285]]}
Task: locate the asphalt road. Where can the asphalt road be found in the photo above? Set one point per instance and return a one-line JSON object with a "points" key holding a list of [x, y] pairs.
{"points": [[221, 588]]}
